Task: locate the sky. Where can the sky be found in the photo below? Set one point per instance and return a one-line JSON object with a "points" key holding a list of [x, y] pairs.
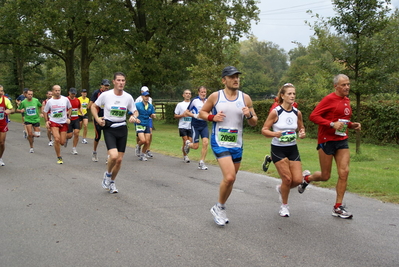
{"points": [[283, 22]]}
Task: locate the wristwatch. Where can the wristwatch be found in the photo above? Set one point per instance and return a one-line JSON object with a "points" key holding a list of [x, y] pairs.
{"points": [[332, 124]]}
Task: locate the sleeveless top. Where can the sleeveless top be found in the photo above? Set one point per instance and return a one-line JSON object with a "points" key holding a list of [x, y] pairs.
{"points": [[228, 133], [287, 122]]}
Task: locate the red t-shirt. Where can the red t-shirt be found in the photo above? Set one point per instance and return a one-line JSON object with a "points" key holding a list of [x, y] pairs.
{"points": [[75, 103], [330, 109]]}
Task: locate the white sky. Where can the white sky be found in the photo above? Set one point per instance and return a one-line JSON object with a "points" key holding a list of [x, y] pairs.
{"points": [[283, 21]]}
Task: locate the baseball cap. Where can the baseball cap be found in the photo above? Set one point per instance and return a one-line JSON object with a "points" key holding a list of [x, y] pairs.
{"points": [[144, 89], [105, 82], [84, 90], [145, 93], [72, 90], [230, 70]]}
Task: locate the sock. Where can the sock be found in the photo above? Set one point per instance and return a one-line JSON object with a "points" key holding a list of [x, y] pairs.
{"points": [[223, 206], [337, 205], [108, 174]]}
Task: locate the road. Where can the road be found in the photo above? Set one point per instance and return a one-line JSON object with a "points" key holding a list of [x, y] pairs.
{"points": [[59, 215]]}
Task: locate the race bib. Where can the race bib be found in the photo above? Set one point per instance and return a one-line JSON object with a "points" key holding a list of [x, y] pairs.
{"points": [[187, 119], [287, 137], [57, 114], [119, 112], [140, 128], [30, 111], [74, 112], [227, 136]]}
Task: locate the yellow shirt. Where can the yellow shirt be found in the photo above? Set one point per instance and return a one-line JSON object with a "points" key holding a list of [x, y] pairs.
{"points": [[7, 102], [84, 103]]}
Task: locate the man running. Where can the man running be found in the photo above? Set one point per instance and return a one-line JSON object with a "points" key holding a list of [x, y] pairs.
{"points": [[57, 114], [83, 117], [116, 103], [31, 108], [230, 107], [49, 95], [97, 128], [185, 131], [6, 108], [74, 125]]}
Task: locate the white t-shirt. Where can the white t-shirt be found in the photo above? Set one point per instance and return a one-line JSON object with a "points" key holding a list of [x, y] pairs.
{"points": [[116, 107], [57, 109], [184, 122]]}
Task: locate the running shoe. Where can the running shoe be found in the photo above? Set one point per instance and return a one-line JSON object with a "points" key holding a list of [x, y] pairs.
{"points": [[74, 152], [25, 134], [186, 159], [149, 154], [143, 157], [106, 181], [84, 141], [138, 152], [51, 143], [284, 211], [202, 166], [219, 215], [59, 161], [94, 156], [1, 162], [31, 150], [266, 163], [66, 142], [278, 189], [341, 212], [187, 147], [304, 184], [112, 188], [106, 161]]}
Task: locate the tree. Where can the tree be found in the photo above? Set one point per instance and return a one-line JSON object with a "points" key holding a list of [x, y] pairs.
{"points": [[357, 24]]}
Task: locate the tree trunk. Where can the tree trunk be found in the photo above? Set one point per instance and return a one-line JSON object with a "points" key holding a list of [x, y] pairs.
{"points": [[358, 134], [85, 64]]}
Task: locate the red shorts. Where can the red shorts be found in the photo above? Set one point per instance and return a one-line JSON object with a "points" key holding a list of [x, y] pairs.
{"points": [[63, 127], [3, 129]]}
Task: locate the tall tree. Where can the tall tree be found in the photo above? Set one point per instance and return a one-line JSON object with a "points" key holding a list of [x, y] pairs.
{"points": [[357, 23]]}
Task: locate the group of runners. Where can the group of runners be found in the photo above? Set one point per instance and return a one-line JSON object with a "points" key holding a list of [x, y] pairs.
{"points": [[226, 109]]}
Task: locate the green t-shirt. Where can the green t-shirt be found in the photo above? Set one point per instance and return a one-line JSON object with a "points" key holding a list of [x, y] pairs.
{"points": [[32, 110]]}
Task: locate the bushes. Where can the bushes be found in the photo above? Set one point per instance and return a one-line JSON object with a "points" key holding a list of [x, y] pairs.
{"points": [[379, 119]]}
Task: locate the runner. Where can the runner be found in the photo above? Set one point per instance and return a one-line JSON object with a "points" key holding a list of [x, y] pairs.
{"points": [[31, 108], [116, 103], [83, 117], [49, 95], [74, 125], [185, 131], [6, 109], [57, 114], [230, 106]]}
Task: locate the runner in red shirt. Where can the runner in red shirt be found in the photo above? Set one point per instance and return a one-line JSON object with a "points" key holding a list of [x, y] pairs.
{"points": [[333, 116], [74, 126]]}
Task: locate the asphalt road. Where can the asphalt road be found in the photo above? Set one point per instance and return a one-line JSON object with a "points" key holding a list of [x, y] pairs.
{"points": [[59, 215]]}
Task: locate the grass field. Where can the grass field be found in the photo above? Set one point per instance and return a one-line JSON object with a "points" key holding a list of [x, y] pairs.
{"points": [[373, 173]]}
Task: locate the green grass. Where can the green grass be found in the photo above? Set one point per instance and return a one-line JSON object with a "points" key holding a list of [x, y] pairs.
{"points": [[373, 173]]}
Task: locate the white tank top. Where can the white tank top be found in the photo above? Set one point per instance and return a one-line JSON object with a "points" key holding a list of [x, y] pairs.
{"points": [[228, 133], [287, 122]]}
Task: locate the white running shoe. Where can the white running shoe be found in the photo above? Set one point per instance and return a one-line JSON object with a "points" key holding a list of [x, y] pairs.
{"points": [[138, 152], [106, 181], [51, 143], [84, 141], [143, 157], [31, 150], [94, 157], [202, 166], [112, 188], [304, 184], [106, 161], [219, 215], [1, 162], [187, 147], [284, 210], [25, 134], [74, 152], [186, 159], [149, 154]]}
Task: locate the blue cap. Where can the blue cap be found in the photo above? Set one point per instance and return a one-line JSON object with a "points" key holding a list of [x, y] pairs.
{"points": [[145, 93]]}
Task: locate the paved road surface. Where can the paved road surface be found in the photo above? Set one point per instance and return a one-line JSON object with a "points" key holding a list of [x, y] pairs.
{"points": [[59, 215]]}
